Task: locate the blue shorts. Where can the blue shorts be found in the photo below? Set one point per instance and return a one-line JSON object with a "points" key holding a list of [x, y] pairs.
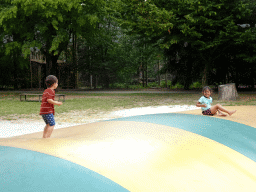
{"points": [[49, 119]]}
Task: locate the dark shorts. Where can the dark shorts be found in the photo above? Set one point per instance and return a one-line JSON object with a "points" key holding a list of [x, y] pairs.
{"points": [[207, 112], [49, 119]]}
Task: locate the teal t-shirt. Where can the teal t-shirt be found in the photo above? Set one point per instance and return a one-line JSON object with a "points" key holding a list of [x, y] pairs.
{"points": [[207, 101]]}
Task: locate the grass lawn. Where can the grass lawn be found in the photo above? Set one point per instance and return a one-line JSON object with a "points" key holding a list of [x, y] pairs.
{"points": [[12, 108]]}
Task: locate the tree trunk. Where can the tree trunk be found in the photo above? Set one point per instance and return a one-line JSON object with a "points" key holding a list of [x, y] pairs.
{"points": [[188, 77], [15, 75], [252, 78], [159, 77], [94, 80], [39, 76], [227, 92], [146, 74], [54, 69], [16, 70], [31, 72], [204, 78], [48, 63], [91, 81], [166, 81], [143, 75], [74, 54], [106, 80]]}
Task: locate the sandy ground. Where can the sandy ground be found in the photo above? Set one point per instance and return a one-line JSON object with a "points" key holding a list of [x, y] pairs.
{"points": [[244, 114], [27, 126]]}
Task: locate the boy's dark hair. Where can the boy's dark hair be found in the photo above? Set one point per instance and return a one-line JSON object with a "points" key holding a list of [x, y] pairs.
{"points": [[207, 88], [50, 80]]}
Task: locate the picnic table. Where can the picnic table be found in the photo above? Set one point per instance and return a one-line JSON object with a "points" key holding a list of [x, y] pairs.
{"points": [[40, 96]]}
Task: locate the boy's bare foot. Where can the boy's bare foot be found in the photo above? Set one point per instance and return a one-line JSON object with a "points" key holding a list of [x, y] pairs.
{"points": [[231, 112]]}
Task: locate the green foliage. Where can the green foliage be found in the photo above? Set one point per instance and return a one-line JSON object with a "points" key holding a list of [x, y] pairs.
{"points": [[119, 85], [115, 39], [48, 24], [153, 84], [163, 84], [196, 85], [247, 41], [208, 28], [177, 86], [136, 87]]}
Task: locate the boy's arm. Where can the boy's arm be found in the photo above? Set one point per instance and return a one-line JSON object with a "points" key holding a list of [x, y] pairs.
{"points": [[200, 105], [54, 102]]}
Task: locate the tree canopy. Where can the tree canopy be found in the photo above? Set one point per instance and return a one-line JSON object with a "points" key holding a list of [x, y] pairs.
{"points": [[48, 25], [207, 29], [199, 39]]}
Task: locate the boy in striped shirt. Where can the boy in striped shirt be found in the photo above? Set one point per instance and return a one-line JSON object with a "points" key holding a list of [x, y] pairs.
{"points": [[47, 105]]}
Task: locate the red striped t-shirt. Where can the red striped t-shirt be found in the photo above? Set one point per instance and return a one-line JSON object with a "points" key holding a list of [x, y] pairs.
{"points": [[47, 108]]}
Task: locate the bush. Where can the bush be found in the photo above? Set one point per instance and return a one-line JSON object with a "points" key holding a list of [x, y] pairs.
{"points": [[136, 87], [153, 84], [163, 83], [196, 85], [178, 86], [118, 85]]}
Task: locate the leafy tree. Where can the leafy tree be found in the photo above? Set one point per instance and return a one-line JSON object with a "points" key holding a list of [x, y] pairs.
{"points": [[12, 37], [94, 52], [109, 54], [207, 27], [48, 25]]}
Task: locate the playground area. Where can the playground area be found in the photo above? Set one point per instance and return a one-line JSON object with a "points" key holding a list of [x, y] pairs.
{"points": [[117, 96], [141, 149]]}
